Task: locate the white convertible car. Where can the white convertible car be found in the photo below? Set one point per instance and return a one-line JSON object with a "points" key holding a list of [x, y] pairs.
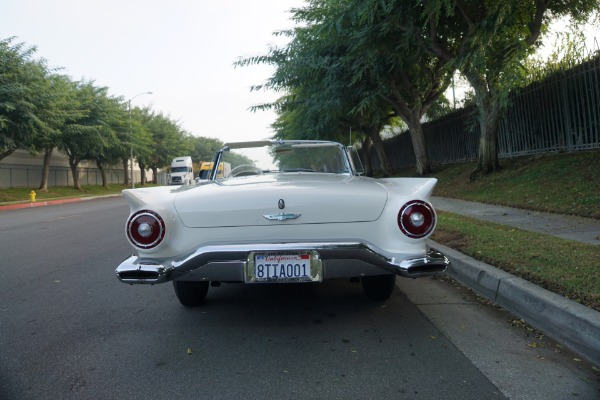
{"points": [[289, 211]]}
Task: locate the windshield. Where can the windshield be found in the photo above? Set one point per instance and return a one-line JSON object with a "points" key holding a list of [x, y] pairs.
{"points": [[179, 169], [285, 157]]}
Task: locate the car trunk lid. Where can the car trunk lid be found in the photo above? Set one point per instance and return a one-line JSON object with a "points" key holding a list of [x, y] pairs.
{"points": [[300, 198]]}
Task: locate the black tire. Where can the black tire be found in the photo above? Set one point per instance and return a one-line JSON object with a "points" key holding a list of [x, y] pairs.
{"points": [[379, 287], [191, 293]]}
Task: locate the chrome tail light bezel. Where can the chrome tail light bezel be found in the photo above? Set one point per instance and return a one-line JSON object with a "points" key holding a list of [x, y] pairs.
{"points": [[145, 219], [416, 209]]}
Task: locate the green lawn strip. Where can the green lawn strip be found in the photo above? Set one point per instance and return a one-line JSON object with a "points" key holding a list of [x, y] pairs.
{"points": [[15, 195], [562, 266], [20, 195], [559, 183], [562, 183]]}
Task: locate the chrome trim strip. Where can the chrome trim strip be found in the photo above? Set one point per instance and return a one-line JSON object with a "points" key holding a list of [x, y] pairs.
{"points": [[144, 270]]}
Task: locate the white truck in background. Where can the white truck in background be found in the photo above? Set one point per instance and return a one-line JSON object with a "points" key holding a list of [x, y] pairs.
{"points": [[181, 171]]}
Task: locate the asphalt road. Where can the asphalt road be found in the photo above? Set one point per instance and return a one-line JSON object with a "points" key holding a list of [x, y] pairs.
{"points": [[69, 329]]}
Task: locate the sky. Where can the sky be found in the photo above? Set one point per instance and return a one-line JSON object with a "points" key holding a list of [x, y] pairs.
{"points": [[182, 51]]}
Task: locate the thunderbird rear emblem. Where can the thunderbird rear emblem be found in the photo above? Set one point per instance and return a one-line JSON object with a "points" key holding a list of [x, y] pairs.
{"points": [[280, 216]]}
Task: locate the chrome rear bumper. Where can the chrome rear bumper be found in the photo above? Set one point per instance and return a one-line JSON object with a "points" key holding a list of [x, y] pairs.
{"points": [[227, 262]]}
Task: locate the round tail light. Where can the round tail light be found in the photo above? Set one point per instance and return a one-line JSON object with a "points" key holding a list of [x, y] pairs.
{"points": [[145, 229], [416, 219]]}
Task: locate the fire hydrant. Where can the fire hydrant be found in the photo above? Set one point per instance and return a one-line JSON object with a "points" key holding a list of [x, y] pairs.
{"points": [[32, 196]]}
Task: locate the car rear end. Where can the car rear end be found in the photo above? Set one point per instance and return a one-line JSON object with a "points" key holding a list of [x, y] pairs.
{"points": [[282, 227]]}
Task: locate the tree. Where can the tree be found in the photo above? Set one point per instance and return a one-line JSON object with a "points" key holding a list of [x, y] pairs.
{"points": [[488, 40], [57, 105], [87, 135], [168, 141], [319, 102], [21, 80], [143, 144], [205, 148], [386, 66], [110, 115], [349, 65], [42, 110]]}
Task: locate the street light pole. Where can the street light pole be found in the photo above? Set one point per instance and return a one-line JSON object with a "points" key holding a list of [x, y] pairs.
{"points": [[131, 137]]}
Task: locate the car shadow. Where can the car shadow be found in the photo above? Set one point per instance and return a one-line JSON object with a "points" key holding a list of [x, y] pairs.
{"points": [[286, 304]]}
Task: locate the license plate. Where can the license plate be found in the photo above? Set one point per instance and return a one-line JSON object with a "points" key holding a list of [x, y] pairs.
{"points": [[274, 267]]}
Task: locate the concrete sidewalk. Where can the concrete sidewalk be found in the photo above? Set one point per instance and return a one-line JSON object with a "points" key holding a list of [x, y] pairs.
{"points": [[568, 322], [585, 230]]}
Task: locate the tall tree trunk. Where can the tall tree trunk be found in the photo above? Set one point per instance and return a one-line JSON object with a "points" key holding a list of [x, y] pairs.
{"points": [[102, 174], [73, 163], [46, 170], [417, 137], [411, 113], [366, 151], [155, 175], [384, 161], [126, 171], [488, 143], [489, 121], [142, 173]]}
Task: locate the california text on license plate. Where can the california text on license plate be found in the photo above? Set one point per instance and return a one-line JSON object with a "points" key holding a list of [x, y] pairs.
{"points": [[284, 267]]}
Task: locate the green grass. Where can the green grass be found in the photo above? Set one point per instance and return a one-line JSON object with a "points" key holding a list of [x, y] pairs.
{"points": [[563, 183], [562, 266], [16, 195]]}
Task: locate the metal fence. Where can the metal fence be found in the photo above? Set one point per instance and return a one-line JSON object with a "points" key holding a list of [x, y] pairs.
{"points": [[560, 113], [31, 176]]}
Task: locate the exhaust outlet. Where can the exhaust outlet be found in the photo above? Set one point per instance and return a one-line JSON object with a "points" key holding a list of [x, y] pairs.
{"points": [[130, 272]]}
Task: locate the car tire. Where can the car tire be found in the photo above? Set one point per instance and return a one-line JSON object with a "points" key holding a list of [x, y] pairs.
{"points": [[191, 293], [379, 287]]}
